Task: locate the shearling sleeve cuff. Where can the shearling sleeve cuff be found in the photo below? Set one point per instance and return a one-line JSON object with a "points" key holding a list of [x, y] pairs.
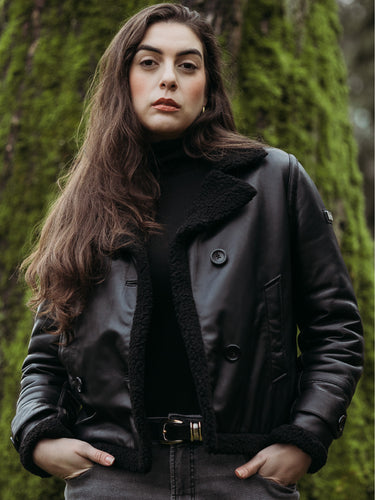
{"points": [[303, 439], [50, 428]]}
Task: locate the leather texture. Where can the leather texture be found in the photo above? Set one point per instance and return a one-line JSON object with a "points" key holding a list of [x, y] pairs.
{"points": [[255, 259]]}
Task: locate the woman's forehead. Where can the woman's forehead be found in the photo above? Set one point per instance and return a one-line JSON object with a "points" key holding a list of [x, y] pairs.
{"points": [[171, 36]]}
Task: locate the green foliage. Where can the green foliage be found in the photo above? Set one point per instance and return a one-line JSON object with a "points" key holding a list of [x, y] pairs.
{"points": [[291, 89]]}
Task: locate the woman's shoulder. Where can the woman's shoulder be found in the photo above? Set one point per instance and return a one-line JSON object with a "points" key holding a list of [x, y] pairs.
{"points": [[282, 162], [278, 156], [267, 159]]}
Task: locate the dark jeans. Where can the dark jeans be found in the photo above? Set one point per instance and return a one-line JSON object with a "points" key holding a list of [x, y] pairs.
{"points": [[183, 471]]}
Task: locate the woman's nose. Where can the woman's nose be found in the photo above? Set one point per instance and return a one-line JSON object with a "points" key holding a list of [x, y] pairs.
{"points": [[168, 79]]}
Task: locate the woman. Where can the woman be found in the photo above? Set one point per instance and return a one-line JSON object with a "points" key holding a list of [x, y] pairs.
{"points": [[170, 276]]}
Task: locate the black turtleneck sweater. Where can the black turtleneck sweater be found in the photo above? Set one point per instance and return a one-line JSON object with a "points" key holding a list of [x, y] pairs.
{"points": [[169, 383]]}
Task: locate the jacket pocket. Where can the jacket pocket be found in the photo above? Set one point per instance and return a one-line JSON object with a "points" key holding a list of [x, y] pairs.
{"points": [[85, 415], [275, 323]]}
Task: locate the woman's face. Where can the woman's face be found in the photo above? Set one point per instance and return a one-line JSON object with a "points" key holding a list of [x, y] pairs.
{"points": [[167, 80]]}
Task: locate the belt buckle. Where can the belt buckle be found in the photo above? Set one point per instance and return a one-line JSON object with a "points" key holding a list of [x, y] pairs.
{"points": [[164, 431]]}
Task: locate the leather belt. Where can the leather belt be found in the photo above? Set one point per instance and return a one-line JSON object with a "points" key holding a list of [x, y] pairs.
{"points": [[176, 429]]}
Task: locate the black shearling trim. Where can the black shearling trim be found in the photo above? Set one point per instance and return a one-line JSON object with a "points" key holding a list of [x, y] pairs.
{"points": [[187, 318], [49, 428], [241, 159], [246, 444], [221, 197], [125, 458], [303, 439], [137, 356]]}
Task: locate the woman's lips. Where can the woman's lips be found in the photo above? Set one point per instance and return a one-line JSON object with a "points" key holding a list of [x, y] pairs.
{"points": [[166, 105]]}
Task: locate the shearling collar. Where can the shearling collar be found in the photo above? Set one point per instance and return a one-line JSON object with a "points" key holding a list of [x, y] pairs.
{"points": [[172, 152], [241, 159], [222, 193]]}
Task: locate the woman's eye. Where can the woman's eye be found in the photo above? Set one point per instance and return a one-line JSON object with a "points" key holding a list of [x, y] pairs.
{"points": [[148, 63], [188, 66]]}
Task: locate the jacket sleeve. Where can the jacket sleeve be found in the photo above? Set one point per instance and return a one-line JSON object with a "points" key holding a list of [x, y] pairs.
{"points": [[42, 409], [330, 338]]}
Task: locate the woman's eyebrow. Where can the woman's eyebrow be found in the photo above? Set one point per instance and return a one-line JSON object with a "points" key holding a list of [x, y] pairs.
{"points": [[181, 53]]}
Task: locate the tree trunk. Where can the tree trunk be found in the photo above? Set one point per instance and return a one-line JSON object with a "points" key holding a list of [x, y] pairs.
{"points": [[226, 20], [288, 85]]}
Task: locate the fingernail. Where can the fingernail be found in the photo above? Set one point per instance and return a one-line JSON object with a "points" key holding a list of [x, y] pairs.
{"points": [[109, 460], [239, 473]]}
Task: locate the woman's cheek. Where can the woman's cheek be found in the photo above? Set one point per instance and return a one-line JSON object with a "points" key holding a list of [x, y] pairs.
{"points": [[197, 91], [137, 87]]}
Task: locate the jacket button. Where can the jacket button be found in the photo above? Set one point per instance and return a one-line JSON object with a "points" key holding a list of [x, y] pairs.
{"points": [[341, 423], [218, 257], [232, 352]]}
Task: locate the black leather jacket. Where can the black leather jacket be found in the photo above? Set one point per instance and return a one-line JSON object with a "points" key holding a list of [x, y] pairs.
{"points": [[256, 257]]}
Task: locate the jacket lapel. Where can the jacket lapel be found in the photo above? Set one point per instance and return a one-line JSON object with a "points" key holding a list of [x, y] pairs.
{"points": [[222, 193]]}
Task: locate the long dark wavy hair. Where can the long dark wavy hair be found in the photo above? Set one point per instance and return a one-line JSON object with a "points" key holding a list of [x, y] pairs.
{"points": [[108, 200]]}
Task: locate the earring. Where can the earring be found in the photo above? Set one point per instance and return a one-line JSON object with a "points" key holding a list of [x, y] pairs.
{"points": [[203, 109]]}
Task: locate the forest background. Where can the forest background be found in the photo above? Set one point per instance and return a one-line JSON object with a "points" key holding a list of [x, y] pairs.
{"points": [[289, 85]]}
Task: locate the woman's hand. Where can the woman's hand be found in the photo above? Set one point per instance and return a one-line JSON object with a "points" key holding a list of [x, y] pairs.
{"points": [[282, 463], [68, 458]]}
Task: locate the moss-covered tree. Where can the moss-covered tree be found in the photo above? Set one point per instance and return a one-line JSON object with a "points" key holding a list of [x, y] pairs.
{"points": [[288, 84]]}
